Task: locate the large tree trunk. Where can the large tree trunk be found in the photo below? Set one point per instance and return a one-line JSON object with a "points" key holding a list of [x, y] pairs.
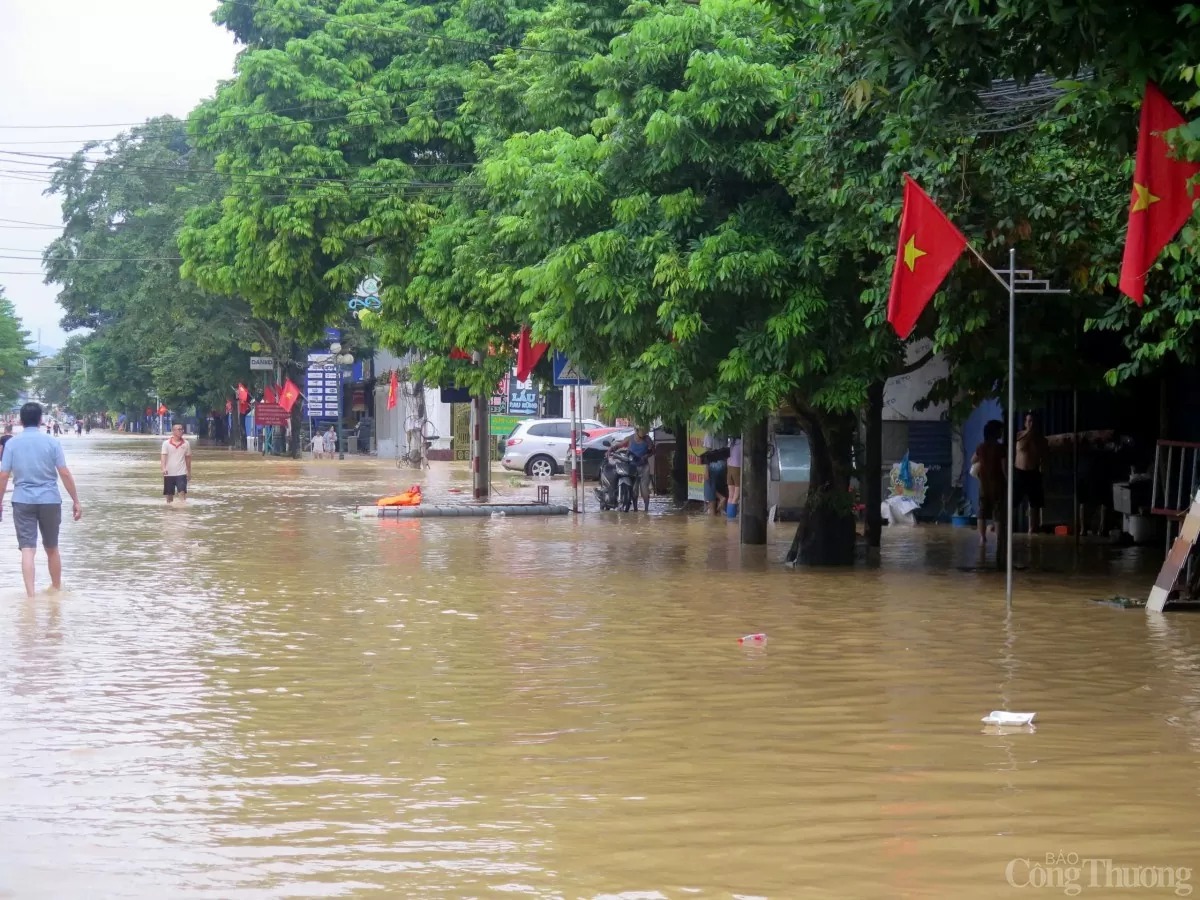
{"points": [[679, 471], [752, 506], [297, 419], [873, 465], [827, 535], [238, 434]]}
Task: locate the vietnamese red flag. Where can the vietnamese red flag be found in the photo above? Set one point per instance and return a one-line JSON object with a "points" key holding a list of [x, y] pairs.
{"points": [[929, 247], [269, 395], [243, 398], [162, 410], [1161, 202], [459, 354], [393, 390], [528, 354], [228, 407], [289, 395]]}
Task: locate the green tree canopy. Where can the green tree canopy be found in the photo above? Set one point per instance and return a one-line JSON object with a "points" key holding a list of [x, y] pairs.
{"points": [[15, 353], [118, 263], [340, 138]]}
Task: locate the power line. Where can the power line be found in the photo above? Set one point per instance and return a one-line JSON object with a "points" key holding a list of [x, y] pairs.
{"points": [[182, 123], [33, 224], [110, 161]]}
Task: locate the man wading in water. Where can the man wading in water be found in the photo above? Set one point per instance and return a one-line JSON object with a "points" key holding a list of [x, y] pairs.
{"points": [[176, 464], [35, 462]]}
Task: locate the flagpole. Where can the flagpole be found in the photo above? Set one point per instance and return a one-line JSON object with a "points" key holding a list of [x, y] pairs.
{"points": [[978, 256], [1012, 423]]}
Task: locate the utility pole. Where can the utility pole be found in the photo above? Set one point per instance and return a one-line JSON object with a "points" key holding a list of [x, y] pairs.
{"points": [[480, 441]]}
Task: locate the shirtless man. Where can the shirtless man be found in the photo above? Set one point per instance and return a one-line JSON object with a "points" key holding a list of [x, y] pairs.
{"points": [[1030, 460]]}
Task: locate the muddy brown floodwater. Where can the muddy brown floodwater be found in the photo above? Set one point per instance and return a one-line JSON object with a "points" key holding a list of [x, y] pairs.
{"points": [[260, 697]]}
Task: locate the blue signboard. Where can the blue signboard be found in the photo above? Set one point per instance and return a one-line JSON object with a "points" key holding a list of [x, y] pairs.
{"points": [[566, 374], [522, 398], [322, 387], [333, 334]]}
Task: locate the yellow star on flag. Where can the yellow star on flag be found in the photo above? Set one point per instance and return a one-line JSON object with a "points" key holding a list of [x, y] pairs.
{"points": [[912, 253], [1144, 197]]}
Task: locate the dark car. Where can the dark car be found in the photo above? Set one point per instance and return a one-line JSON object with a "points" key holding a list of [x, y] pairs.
{"points": [[595, 449]]}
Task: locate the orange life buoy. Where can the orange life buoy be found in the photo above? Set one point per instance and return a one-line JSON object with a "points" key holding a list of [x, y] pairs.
{"points": [[411, 497]]}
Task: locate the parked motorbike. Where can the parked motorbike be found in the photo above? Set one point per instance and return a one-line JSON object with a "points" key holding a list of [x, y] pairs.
{"points": [[620, 478]]}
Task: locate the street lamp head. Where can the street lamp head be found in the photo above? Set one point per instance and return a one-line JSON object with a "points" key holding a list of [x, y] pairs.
{"points": [[335, 348], [346, 359]]}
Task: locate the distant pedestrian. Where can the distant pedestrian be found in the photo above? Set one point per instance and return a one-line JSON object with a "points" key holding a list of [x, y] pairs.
{"points": [[331, 442], [36, 462], [988, 465], [318, 445], [176, 465], [4, 439]]}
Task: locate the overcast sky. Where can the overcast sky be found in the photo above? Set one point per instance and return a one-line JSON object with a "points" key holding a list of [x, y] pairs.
{"points": [[83, 62]]}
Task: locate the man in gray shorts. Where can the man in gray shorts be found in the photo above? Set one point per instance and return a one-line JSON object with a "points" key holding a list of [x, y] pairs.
{"points": [[35, 461]]}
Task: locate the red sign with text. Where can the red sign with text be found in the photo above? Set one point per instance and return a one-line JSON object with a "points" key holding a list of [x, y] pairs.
{"points": [[268, 414]]}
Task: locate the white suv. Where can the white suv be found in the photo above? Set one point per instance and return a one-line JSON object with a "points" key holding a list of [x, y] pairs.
{"points": [[539, 447]]}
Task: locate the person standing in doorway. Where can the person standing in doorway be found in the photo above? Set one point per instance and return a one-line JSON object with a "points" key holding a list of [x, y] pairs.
{"points": [[35, 462], [176, 465], [1028, 463], [734, 476]]}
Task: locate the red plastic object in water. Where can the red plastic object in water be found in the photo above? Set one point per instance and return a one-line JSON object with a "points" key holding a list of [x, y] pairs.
{"points": [[759, 638]]}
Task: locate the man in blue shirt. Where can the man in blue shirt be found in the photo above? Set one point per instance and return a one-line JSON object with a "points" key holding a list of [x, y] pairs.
{"points": [[35, 461]]}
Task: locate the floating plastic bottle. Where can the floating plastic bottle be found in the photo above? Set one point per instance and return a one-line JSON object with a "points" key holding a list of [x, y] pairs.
{"points": [[758, 638]]}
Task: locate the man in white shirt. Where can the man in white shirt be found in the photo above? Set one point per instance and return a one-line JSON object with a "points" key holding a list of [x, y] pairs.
{"points": [[176, 464]]}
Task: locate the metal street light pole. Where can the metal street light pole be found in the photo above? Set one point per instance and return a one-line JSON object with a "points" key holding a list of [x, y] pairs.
{"points": [[1016, 281], [336, 349], [339, 361]]}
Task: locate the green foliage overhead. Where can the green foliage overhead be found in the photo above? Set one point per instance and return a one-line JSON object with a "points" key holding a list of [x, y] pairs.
{"points": [[339, 139]]}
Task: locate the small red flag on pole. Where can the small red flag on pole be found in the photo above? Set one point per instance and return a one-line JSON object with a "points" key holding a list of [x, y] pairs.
{"points": [[393, 391], [929, 247], [289, 395], [1161, 201], [243, 398], [528, 354]]}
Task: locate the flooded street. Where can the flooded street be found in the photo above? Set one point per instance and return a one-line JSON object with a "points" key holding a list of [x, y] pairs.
{"points": [[261, 697]]}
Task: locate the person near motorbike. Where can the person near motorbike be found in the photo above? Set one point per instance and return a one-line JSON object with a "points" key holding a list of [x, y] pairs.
{"points": [[640, 447]]}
